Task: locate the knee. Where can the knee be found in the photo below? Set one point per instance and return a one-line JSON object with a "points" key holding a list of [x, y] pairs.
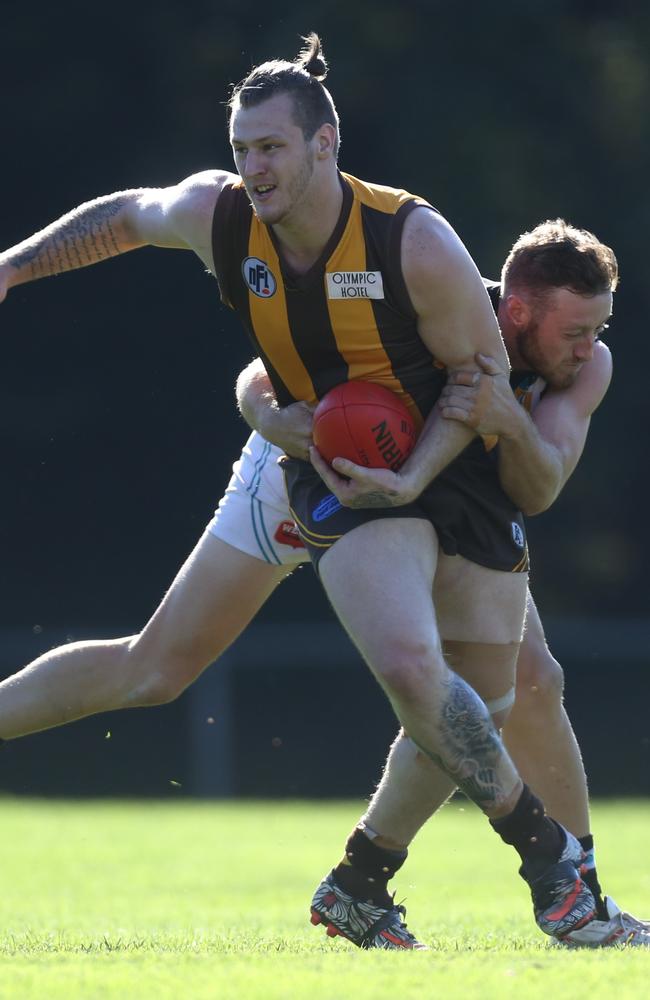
{"points": [[406, 670], [540, 680], [156, 680]]}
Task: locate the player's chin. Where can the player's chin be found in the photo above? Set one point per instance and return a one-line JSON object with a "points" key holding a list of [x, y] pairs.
{"points": [[563, 379], [270, 213]]}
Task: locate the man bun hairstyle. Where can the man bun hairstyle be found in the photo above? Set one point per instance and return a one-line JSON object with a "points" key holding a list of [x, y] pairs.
{"points": [[301, 80], [556, 254], [311, 58]]}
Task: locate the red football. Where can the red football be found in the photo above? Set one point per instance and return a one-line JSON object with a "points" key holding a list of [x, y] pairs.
{"points": [[365, 422]]}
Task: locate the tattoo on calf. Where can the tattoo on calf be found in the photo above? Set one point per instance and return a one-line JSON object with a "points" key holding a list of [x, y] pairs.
{"points": [[82, 237], [470, 748]]}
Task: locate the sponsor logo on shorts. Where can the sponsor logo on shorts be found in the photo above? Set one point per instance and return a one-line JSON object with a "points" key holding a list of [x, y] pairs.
{"points": [[287, 534], [259, 278], [518, 535], [355, 285], [328, 506]]}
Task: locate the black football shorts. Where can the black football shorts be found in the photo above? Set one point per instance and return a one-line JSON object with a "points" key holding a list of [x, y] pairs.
{"points": [[472, 515]]}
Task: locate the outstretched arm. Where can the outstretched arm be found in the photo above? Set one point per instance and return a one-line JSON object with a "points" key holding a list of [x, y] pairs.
{"points": [[538, 452], [455, 320], [179, 216]]}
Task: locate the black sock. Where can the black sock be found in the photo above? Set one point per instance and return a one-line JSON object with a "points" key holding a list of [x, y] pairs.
{"points": [[590, 877], [537, 838], [366, 868]]}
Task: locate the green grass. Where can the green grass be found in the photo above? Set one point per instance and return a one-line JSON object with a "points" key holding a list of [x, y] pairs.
{"points": [[193, 900]]}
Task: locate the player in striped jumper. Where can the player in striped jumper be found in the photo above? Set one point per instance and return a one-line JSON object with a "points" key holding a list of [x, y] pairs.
{"points": [[406, 532]]}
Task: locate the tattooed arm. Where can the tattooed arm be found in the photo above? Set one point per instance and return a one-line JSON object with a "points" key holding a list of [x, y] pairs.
{"points": [[179, 216]]}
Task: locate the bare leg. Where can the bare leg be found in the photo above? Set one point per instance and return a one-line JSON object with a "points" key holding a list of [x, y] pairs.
{"points": [[539, 735], [383, 602], [214, 596], [383, 597], [412, 788]]}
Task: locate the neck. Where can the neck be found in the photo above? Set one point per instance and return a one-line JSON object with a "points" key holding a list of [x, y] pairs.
{"points": [[304, 233]]}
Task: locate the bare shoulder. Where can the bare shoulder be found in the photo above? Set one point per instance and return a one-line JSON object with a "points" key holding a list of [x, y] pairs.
{"points": [[594, 377], [602, 362], [436, 263], [587, 392], [430, 245], [193, 199], [181, 215], [454, 314], [205, 184]]}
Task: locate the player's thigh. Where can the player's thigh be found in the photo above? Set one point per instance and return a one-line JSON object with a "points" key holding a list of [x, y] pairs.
{"points": [[379, 578], [480, 617], [214, 596], [476, 604]]}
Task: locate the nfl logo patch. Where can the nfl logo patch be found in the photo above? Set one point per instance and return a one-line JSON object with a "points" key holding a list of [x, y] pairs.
{"points": [[259, 277]]}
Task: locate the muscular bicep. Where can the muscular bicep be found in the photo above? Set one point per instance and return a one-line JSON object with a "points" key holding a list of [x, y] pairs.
{"points": [[455, 316]]}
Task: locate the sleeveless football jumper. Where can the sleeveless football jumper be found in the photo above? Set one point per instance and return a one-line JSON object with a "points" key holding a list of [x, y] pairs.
{"points": [[350, 317]]}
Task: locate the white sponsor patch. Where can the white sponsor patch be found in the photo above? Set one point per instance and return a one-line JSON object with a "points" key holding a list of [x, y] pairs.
{"points": [[355, 285], [258, 276]]}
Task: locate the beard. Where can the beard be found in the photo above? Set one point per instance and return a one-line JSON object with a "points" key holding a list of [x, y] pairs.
{"points": [[301, 180], [531, 351], [295, 187]]}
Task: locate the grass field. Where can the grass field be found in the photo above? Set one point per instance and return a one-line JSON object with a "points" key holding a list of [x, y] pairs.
{"points": [[194, 900]]}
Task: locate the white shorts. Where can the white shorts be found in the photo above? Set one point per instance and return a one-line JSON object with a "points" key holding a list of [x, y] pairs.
{"points": [[253, 514]]}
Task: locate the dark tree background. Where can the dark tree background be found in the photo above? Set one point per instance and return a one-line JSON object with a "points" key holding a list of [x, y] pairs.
{"points": [[117, 416]]}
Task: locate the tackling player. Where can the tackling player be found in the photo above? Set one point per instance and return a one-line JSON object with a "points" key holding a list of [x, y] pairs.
{"points": [[290, 219], [552, 304]]}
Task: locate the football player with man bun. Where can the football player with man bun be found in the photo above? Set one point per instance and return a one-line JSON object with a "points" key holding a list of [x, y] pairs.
{"points": [[276, 234]]}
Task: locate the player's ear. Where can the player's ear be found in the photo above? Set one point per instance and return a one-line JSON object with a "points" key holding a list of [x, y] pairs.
{"points": [[518, 310], [325, 141]]}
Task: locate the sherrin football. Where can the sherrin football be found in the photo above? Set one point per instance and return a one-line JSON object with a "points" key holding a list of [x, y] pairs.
{"points": [[366, 423]]}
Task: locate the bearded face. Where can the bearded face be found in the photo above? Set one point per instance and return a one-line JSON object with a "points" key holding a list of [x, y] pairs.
{"points": [[561, 333], [273, 158], [541, 354]]}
